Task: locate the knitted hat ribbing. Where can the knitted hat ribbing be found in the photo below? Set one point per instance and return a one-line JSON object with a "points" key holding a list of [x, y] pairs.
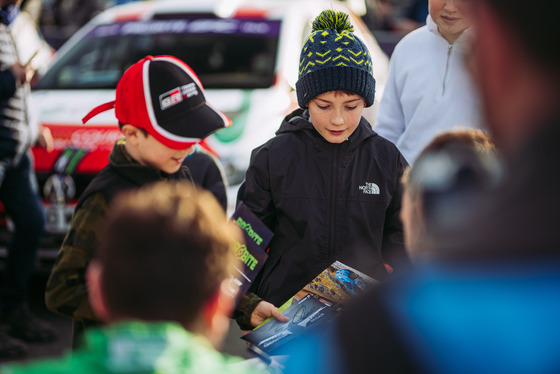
{"points": [[333, 59]]}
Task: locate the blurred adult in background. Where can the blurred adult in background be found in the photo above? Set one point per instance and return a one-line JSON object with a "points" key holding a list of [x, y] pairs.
{"points": [[18, 193], [489, 304]]}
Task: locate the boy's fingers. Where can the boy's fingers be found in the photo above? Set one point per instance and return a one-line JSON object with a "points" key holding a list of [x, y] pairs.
{"points": [[265, 310], [279, 316]]}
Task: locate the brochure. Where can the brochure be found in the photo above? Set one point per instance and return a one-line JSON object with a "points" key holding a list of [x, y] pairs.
{"points": [[253, 253], [317, 304]]}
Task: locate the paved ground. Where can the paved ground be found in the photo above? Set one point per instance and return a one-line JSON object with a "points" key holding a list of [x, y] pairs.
{"points": [[232, 344]]}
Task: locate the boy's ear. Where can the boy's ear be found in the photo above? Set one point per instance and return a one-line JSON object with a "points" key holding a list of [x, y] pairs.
{"points": [[94, 274], [216, 314], [131, 133]]}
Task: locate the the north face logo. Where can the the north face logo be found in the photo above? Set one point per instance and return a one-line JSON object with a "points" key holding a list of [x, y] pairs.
{"points": [[370, 189]]}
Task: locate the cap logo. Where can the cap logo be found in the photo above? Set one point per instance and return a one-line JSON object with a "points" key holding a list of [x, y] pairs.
{"points": [[177, 95]]}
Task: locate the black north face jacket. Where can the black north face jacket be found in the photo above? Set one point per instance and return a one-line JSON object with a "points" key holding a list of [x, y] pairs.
{"points": [[324, 202]]}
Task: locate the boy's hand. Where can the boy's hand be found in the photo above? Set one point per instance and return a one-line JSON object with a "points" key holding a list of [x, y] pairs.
{"points": [[265, 310]]}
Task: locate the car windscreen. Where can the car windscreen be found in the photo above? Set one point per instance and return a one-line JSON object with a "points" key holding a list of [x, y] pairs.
{"points": [[224, 53]]}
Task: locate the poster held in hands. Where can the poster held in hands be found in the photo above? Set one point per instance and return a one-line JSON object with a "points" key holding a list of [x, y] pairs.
{"points": [[317, 304]]}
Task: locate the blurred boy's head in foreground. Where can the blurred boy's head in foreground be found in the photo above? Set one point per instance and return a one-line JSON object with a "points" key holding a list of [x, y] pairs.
{"points": [[165, 255]]}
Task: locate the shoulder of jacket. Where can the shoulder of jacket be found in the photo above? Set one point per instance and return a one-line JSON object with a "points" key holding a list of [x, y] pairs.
{"points": [[281, 140], [94, 202], [411, 39], [380, 144]]}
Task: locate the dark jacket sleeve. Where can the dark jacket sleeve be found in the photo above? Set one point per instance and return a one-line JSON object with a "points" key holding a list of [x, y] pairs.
{"points": [[207, 173], [66, 291], [255, 191], [7, 84], [242, 314], [393, 248]]}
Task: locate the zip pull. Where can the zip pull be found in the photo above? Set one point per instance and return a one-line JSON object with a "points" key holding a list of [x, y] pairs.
{"points": [[449, 50]]}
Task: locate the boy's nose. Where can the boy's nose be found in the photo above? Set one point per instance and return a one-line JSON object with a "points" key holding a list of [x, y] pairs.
{"points": [[450, 5], [337, 119], [184, 152], [188, 151]]}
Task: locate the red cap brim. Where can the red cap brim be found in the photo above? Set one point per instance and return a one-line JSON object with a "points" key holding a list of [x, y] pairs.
{"points": [[98, 109]]}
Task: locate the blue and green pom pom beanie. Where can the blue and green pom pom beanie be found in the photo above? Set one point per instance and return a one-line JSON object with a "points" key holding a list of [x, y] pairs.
{"points": [[334, 59]]}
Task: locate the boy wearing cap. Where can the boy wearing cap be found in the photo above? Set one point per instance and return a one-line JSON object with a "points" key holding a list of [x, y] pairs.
{"points": [[327, 185], [162, 114]]}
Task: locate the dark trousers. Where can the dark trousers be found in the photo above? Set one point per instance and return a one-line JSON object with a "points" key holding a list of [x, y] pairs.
{"points": [[19, 195]]}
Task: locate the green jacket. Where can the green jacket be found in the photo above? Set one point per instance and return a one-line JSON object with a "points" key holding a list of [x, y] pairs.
{"points": [[66, 292], [139, 347]]}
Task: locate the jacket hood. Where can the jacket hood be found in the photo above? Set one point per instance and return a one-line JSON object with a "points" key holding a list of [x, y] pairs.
{"points": [[295, 121], [298, 121]]}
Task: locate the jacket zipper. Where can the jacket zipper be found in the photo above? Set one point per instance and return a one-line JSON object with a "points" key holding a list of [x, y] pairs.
{"points": [[449, 49], [332, 210]]}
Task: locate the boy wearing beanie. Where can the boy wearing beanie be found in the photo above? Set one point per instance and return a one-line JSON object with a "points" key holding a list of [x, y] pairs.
{"points": [[162, 113], [327, 185]]}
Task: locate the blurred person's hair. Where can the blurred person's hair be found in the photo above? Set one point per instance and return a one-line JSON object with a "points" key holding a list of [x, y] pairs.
{"points": [[165, 251], [448, 175], [467, 140]]}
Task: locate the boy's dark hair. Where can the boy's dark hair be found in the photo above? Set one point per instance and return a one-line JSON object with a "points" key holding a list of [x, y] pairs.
{"points": [[535, 24], [165, 250]]}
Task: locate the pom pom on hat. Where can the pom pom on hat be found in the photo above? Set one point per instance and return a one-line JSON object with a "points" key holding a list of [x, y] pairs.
{"points": [[329, 19], [334, 59]]}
